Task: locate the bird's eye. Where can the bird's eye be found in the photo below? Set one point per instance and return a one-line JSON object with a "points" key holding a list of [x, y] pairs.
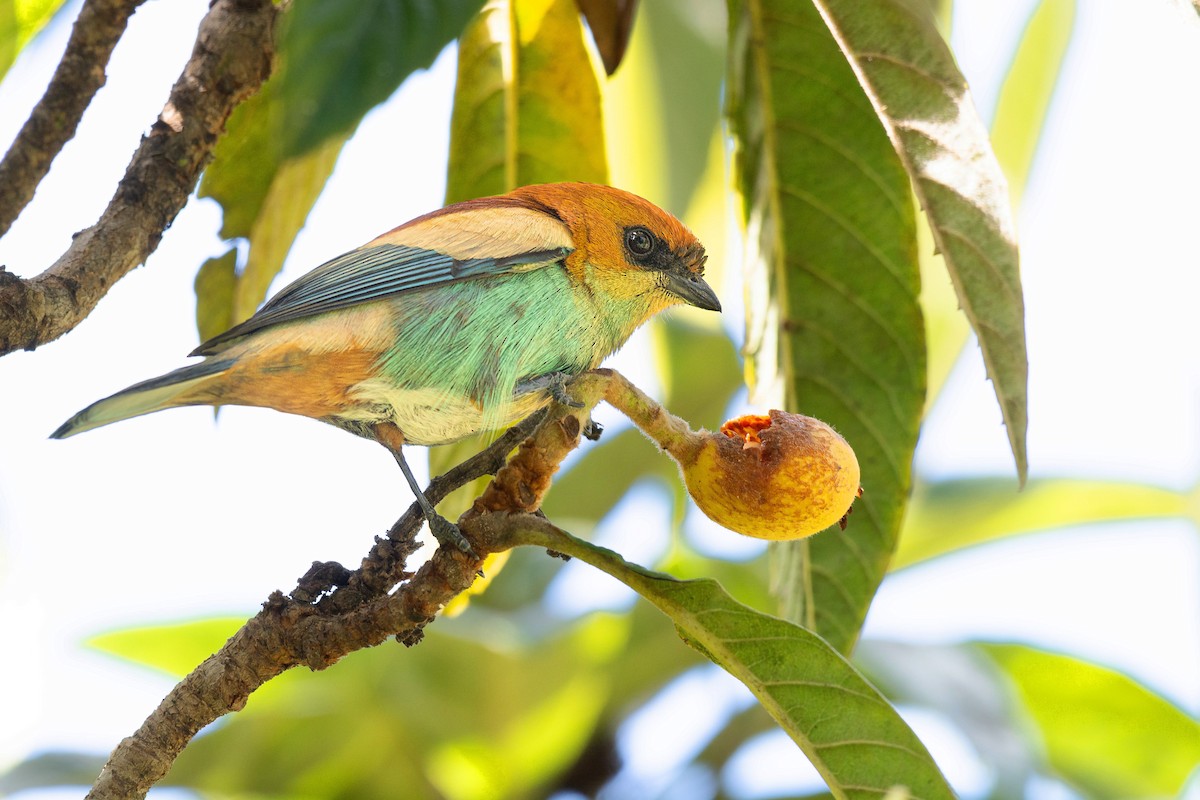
{"points": [[639, 242]]}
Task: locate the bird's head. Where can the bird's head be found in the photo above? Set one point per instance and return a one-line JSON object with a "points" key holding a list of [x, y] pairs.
{"points": [[626, 247]]}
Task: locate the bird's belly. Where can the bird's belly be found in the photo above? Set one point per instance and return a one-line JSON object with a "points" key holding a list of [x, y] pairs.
{"points": [[430, 416]]}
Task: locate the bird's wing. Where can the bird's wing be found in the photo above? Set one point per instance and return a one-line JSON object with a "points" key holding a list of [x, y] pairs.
{"points": [[391, 265]]}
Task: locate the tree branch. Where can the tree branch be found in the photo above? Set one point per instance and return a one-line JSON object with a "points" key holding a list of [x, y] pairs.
{"points": [[333, 612], [231, 59], [53, 121]]}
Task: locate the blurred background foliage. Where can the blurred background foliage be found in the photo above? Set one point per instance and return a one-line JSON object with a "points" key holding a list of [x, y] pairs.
{"points": [[752, 112]]}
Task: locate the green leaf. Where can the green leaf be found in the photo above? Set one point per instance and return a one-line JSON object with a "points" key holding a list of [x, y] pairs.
{"points": [[20, 21], [910, 76], [947, 516], [340, 60], [294, 190], [1016, 131], [174, 648], [527, 101], [216, 283], [1028, 89], [832, 317], [336, 61], [1102, 731], [484, 714], [850, 733]]}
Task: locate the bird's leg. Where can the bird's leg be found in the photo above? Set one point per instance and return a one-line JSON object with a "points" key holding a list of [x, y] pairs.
{"points": [[445, 531]]}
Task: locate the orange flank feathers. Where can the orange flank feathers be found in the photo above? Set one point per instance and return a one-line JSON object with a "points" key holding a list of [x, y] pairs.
{"points": [[291, 380], [310, 368]]}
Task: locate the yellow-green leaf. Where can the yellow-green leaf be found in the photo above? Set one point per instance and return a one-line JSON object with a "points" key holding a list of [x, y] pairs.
{"points": [[20, 21], [1104, 732], [294, 189], [335, 62], [215, 285], [527, 102], [526, 110], [426, 722], [175, 648], [949, 515]]}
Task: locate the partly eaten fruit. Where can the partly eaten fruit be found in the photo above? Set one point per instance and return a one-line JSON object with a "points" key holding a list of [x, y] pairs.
{"points": [[782, 476]]}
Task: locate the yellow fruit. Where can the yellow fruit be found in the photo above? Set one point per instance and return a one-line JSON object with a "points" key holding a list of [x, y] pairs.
{"points": [[783, 476]]}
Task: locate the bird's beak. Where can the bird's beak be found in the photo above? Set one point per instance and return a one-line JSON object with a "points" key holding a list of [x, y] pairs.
{"points": [[692, 289]]}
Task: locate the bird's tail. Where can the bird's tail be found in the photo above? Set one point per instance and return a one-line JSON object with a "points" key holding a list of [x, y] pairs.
{"points": [[165, 391]]}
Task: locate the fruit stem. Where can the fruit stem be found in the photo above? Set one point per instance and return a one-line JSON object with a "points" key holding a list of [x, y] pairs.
{"points": [[667, 430]]}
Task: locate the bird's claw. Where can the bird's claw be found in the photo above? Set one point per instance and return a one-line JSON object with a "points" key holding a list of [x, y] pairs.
{"points": [[449, 535], [558, 390]]}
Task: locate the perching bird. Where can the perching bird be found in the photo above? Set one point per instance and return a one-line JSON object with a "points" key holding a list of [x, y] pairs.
{"points": [[465, 319]]}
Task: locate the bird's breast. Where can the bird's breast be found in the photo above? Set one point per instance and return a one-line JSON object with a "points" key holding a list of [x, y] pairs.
{"points": [[428, 416]]}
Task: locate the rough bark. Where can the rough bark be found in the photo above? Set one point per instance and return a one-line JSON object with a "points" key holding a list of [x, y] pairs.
{"points": [[53, 122], [231, 59]]}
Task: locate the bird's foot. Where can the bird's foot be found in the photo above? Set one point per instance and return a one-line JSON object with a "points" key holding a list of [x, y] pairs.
{"points": [[554, 384], [558, 390], [448, 534]]}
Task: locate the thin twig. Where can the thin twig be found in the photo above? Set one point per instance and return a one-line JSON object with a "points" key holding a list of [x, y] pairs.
{"points": [[231, 59], [53, 121]]}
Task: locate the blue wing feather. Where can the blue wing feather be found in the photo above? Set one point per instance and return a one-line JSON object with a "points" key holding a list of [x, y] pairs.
{"points": [[372, 273]]}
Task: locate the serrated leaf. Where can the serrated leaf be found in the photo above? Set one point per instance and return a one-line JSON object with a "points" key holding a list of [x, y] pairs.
{"points": [[850, 733], [946, 516], [833, 324], [1102, 731], [911, 78]]}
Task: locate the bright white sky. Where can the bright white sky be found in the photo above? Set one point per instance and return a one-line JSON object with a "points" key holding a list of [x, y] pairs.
{"points": [[91, 527]]}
